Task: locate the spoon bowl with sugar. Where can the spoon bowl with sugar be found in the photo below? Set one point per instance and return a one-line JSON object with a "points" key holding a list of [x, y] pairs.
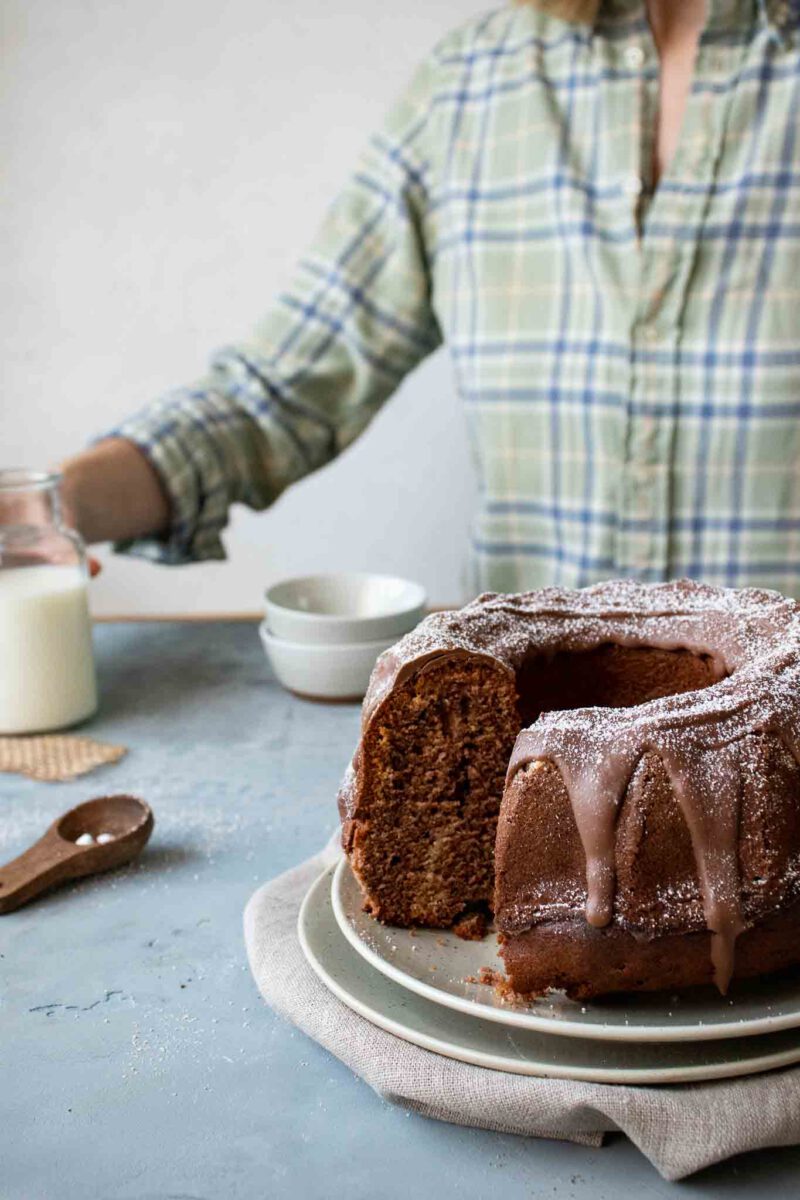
{"points": [[97, 835]]}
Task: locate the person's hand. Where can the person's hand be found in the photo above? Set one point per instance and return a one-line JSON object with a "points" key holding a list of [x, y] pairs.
{"points": [[111, 493], [70, 518]]}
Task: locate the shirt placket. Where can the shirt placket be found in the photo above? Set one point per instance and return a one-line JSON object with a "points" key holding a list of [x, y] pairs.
{"points": [[667, 247]]}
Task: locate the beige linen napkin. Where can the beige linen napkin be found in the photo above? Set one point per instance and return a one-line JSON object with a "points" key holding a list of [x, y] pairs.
{"points": [[680, 1128]]}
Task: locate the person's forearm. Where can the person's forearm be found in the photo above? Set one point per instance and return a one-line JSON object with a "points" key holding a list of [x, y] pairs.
{"points": [[321, 364], [112, 493]]}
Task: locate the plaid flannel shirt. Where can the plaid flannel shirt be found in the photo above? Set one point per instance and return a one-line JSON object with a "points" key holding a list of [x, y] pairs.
{"points": [[629, 360]]}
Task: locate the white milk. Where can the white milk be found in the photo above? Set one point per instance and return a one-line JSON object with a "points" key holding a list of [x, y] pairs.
{"points": [[46, 664]]}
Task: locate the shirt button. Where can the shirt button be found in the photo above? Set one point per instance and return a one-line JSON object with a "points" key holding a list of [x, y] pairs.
{"points": [[718, 62], [634, 57]]}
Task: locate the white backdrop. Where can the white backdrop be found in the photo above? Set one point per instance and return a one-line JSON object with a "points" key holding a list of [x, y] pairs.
{"points": [[165, 161]]}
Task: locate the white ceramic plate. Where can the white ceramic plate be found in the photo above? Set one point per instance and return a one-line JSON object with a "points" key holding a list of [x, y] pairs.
{"points": [[523, 1052], [436, 964]]}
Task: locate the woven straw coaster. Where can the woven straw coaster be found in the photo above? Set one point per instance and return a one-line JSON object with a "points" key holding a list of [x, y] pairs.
{"points": [[55, 757]]}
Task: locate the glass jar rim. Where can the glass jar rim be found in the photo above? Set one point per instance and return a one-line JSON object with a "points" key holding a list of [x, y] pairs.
{"points": [[21, 479]]}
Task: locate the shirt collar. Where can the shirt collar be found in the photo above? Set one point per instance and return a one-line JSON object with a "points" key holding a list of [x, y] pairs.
{"points": [[782, 16]]}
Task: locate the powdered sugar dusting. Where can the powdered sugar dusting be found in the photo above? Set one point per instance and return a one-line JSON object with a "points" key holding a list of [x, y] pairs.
{"points": [[753, 638]]}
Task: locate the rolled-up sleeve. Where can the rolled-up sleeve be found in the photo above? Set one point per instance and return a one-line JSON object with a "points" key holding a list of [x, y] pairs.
{"points": [[355, 320]]}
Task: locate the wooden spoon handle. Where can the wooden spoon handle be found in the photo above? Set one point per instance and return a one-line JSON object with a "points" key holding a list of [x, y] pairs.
{"points": [[49, 861]]}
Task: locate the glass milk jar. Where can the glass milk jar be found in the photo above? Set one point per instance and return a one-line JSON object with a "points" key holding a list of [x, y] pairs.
{"points": [[46, 664]]}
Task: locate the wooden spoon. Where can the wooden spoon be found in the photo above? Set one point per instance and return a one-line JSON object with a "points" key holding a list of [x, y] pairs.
{"points": [[57, 857]]}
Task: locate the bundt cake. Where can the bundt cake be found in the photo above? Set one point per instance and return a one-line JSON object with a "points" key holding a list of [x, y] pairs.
{"points": [[612, 771]]}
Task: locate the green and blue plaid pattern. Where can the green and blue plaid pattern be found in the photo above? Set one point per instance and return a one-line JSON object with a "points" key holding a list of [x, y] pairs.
{"points": [[629, 360]]}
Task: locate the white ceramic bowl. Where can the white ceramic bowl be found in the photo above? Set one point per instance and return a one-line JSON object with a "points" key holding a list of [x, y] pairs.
{"points": [[338, 608], [323, 672]]}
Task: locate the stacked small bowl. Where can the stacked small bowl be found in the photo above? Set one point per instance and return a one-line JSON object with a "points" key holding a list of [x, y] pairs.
{"points": [[323, 633]]}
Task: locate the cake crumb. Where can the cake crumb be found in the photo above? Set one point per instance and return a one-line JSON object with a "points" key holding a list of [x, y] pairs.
{"points": [[491, 978], [471, 927]]}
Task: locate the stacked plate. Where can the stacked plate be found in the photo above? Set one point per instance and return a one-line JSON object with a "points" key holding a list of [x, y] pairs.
{"points": [[420, 985], [323, 633]]}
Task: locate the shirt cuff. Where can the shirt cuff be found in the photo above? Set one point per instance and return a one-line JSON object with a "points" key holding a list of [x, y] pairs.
{"points": [[187, 462]]}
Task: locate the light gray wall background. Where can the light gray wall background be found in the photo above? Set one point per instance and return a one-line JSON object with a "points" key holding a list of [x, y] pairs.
{"points": [[165, 161]]}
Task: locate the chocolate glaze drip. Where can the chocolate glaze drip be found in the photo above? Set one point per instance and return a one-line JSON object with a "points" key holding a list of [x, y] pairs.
{"points": [[699, 737], [753, 637]]}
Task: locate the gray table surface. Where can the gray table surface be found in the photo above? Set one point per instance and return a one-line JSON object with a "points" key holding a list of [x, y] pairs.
{"points": [[137, 1059]]}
